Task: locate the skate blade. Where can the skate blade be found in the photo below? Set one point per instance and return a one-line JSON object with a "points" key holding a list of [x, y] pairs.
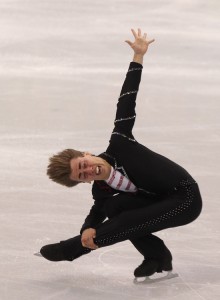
{"points": [[38, 254], [149, 280]]}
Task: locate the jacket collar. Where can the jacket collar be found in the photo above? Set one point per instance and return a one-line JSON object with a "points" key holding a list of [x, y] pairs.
{"points": [[113, 162]]}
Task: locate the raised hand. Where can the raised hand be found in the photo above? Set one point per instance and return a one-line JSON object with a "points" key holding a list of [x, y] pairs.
{"points": [[141, 43]]}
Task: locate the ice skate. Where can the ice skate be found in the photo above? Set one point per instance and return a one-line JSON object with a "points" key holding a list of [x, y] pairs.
{"points": [[148, 280], [149, 267], [65, 250], [38, 254], [52, 252]]}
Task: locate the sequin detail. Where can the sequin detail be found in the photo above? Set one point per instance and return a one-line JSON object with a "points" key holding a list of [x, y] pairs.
{"points": [[131, 92], [134, 69], [125, 119], [125, 136], [168, 215], [87, 250], [116, 165]]}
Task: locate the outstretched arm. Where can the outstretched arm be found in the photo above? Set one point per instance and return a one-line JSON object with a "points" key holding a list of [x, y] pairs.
{"points": [[125, 115]]}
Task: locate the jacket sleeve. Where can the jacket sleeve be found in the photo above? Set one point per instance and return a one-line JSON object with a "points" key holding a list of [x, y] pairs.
{"points": [[125, 114], [95, 216], [100, 192]]}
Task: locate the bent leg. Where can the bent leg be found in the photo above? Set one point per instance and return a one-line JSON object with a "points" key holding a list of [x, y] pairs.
{"points": [[177, 209], [148, 245]]}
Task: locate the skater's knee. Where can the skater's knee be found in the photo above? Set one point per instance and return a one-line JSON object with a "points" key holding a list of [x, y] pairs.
{"points": [[194, 209]]}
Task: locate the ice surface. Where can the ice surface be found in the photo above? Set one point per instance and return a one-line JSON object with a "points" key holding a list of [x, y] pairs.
{"points": [[62, 64]]}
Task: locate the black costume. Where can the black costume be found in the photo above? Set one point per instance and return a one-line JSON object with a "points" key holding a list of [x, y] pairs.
{"points": [[167, 194]]}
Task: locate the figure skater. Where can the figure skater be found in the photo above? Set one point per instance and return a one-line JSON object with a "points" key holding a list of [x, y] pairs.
{"points": [[139, 191]]}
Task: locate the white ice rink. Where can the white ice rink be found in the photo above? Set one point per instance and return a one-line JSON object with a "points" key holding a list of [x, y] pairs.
{"points": [[62, 64]]}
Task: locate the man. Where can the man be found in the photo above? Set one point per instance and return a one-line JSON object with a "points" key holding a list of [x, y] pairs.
{"points": [[140, 191]]}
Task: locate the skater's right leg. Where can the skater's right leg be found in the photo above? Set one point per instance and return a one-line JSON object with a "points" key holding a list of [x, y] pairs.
{"points": [[149, 245], [157, 257]]}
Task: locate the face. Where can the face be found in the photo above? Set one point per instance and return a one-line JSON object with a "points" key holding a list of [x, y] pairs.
{"points": [[89, 168]]}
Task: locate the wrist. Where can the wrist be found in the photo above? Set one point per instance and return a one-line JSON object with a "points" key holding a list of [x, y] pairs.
{"points": [[138, 58]]}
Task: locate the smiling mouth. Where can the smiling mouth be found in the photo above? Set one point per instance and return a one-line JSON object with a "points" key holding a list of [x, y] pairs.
{"points": [[98, 170]]}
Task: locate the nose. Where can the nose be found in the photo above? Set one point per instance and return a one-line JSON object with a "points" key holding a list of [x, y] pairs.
{"points": [[88, 169]]}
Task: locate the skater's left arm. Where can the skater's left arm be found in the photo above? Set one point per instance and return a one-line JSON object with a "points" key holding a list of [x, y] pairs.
{"points": [[125, 114], [96, 215]]}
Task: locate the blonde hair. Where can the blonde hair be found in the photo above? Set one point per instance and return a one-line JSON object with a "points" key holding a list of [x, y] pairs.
{"points": [[59, 169]]}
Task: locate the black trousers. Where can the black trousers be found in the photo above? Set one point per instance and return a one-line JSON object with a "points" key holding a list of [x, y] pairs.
{"points": [[149, 245], [135, 218]]}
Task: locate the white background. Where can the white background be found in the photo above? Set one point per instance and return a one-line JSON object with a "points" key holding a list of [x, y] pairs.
{"points": [[62, 64]]}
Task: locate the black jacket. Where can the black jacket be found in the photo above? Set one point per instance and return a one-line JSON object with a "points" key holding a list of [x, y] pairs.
{"points": [[151, 173]]}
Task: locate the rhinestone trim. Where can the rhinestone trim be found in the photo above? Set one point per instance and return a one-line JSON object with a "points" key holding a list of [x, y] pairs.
{"points": [[131, 92], [134, 69], [108, 155], [125, 119], [121, 134], [116, 165]]}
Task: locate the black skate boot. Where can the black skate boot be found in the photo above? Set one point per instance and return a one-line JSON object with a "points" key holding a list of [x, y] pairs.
{"points": [[147, 268], [166, 263], [151, 266], [65, 250], [52, 252]]}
